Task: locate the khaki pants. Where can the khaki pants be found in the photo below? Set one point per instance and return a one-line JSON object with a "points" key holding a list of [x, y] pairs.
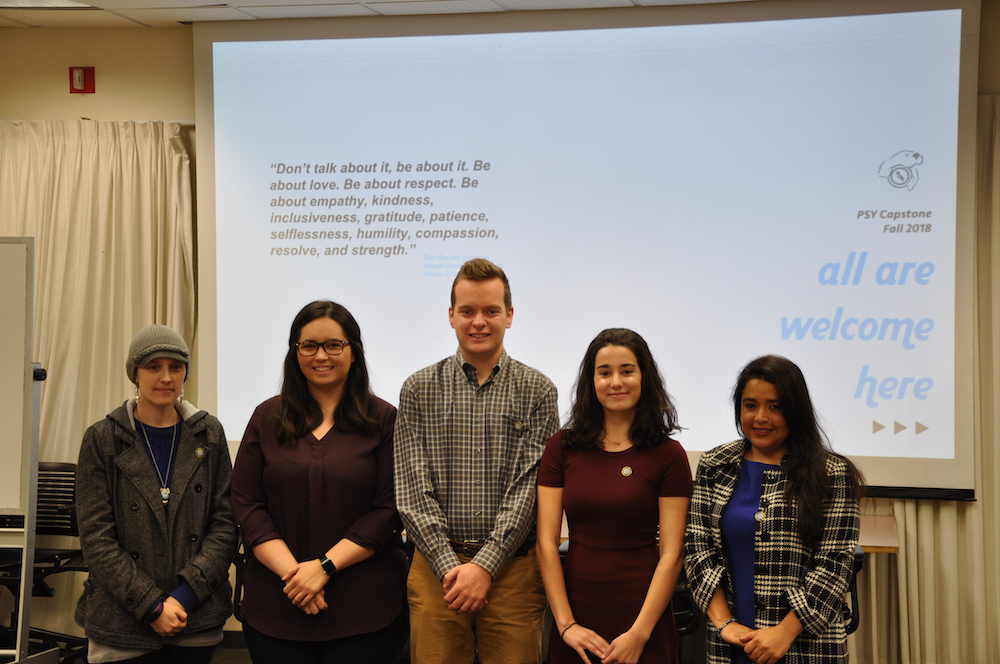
{"points": [[508, 629]]}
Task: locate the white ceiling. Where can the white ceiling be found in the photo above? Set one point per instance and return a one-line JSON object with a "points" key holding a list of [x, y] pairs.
{"points": [[171, 13]]}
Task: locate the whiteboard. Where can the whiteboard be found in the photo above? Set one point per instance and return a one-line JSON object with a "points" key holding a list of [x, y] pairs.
{"points": [[16, 266]]}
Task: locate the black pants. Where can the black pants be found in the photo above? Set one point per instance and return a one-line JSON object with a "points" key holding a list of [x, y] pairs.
{"points": [[382, 647]]}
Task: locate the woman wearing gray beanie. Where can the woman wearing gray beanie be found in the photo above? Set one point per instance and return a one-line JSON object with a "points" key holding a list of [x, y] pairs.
{"points": [[156, 526]]}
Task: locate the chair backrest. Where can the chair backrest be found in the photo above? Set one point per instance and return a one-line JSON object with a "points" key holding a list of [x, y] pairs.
{"points": [[851, 613], [242, 561], [56, 513]]}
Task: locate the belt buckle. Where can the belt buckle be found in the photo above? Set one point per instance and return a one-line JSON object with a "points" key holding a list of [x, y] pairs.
{"points": [[471, 547]]}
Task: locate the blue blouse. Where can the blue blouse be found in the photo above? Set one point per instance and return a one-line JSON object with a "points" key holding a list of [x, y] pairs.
{"points": [[739, 528]]}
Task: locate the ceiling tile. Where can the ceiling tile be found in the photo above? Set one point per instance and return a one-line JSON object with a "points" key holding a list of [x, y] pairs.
{"points": [[660, 3], [67, 18], [43, 4], [406, 7], [170, 13], [144, 5], [527, 5], [311, 11], [167, 18], [292, 4]]}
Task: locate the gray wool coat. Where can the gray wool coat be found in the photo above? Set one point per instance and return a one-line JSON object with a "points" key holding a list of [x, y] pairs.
{"points": [[136, 551]]}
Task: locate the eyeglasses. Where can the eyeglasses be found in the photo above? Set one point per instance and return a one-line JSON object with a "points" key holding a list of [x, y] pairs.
{"points": [[331, 347]]}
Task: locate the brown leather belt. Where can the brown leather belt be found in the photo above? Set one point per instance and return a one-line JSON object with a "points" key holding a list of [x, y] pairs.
{"points": [[471, 547]]}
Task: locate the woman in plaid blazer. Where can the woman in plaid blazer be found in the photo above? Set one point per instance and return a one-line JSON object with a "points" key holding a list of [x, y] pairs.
{"points": [[772, 528]]}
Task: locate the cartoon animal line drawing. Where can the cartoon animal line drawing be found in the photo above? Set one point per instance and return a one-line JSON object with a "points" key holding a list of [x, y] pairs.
{"points": [[901, 169]]}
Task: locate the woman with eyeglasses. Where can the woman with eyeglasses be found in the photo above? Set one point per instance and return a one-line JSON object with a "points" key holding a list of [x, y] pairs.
{"points": [[313, 498]]}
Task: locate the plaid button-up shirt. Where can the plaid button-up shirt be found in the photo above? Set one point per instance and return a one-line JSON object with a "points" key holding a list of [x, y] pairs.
{"points": [[466, 457]]}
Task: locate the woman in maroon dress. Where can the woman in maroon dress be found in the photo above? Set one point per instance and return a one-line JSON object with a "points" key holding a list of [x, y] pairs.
{"points": [[620, 479]]}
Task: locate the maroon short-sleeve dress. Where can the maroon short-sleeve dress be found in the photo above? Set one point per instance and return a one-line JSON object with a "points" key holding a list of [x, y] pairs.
{"points": [[612, 507]]}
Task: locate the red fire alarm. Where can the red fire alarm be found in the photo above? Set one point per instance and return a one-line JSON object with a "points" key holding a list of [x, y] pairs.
{"points": [[81, 79]]}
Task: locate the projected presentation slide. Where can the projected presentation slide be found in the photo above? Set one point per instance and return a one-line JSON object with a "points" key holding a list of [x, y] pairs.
{"points": [[725, 190]]}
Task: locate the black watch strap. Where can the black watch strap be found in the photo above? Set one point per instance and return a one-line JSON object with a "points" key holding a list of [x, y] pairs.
{"points": [[328, 566]]}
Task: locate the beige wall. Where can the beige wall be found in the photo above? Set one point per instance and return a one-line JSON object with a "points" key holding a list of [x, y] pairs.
{"points": [[141, 73], [148, 73]]}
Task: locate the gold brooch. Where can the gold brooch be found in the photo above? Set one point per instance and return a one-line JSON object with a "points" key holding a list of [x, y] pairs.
{"points": [[626, 471]]}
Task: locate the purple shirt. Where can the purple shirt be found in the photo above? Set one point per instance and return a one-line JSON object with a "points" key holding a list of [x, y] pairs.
{"points": [[312, 496]]}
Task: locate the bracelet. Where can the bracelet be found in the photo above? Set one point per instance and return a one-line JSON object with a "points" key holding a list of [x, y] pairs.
{"points": [[563, 633], [154, 614], [731, 620]]}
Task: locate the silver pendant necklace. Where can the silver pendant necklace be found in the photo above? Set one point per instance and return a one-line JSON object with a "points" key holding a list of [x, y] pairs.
{"points": [[164, 489]]}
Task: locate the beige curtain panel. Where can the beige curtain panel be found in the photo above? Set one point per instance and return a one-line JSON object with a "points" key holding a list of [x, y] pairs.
{"points": [[110, 207]]}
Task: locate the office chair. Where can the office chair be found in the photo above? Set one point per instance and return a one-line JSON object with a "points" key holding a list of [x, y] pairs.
{"points": [[851, 617], [55, 515], [241, 560]]}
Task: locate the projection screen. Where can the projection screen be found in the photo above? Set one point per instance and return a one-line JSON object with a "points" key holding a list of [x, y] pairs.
{"points": [[728, 181]]}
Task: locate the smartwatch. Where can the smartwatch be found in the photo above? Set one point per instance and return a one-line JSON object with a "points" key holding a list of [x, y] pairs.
{"points": [[328, 567]]}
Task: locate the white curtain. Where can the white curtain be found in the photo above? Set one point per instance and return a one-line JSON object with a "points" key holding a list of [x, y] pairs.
{"points": [[110, 207]]}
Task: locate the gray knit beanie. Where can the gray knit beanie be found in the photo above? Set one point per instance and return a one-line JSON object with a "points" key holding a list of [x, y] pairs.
{"points": [[154, 342]]}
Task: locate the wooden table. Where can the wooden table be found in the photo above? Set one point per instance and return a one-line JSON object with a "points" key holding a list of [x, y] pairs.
{"points": [[878, 534]]}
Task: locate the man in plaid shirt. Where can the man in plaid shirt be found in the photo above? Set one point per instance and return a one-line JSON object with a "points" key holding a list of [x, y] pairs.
{"points": [[469, 435]]}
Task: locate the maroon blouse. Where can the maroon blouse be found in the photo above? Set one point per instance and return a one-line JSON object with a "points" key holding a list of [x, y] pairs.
{"points": [[312, 496]]}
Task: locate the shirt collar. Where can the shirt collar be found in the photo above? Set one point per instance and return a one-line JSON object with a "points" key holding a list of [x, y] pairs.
{"points": [[472, 374]]}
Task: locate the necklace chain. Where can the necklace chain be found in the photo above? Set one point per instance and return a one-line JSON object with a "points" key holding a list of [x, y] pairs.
{"points": [[164, 489]]}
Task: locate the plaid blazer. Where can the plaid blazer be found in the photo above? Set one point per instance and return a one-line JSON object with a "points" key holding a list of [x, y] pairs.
{"points": [[788, 575]]}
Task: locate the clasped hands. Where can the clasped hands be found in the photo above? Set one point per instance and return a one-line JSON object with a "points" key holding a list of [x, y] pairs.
{"points": [[762, 646], [466, 587], [172, 619], [304, 586], [625, 649]]}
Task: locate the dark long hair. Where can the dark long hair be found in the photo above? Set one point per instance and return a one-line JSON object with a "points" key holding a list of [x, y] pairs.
{"points": [[297, 412], [807, 448], [655, 416]]}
